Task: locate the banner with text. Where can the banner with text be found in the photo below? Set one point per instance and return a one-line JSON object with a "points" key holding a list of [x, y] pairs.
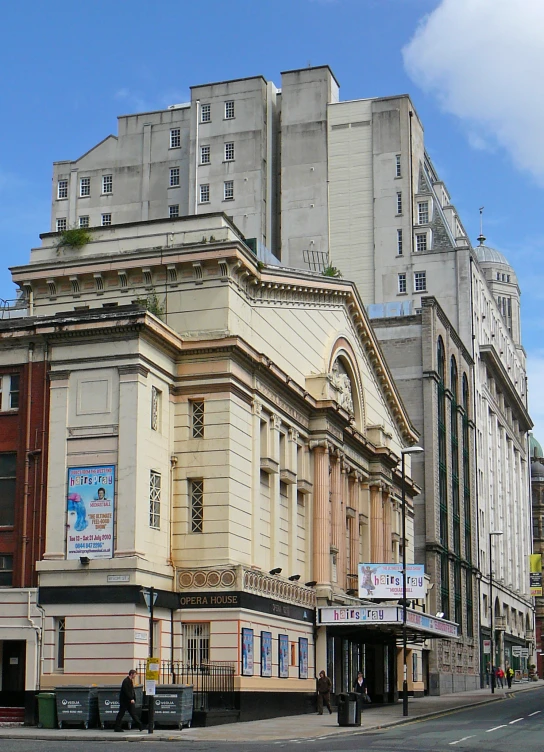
{"points": [[89, 512], [535, 574], [385, 581]]}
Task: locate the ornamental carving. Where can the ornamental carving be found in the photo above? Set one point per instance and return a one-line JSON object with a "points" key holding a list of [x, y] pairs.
{"points": [[341, 382], [202, 579]]}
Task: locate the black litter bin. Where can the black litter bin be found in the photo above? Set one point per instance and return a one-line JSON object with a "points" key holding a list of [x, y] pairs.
{"points": [[173, 705], [349, 709], [108, 704], [78, 705]]}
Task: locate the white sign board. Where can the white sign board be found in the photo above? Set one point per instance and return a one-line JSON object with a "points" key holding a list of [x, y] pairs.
{"points": [[364, 615], [516, 650], [487, 647], [386, 581], [524, 652]]}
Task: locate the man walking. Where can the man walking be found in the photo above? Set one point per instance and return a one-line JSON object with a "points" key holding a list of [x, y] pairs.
{"points": [[127, 702], [324, 686]]}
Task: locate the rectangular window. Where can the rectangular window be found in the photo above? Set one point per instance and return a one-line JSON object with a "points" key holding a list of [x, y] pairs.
{"points": [[174, 177], [421, 242], [173, 211], [62, 189], [229, 151], [399, 203], [229, 110], [61, 642], [14, 381], [205, 155], [62, 224], [204, 193], [8, 469], [423, 212], [398, 172], [196, 500], [107, 183], [156, 395], [399, 242], [420, 281], [83, 221], [205, 113], [85, 187], [6, 570], [197, 419], [175, 138], [106, 220], [402, 282], [154, 499], [195, 642], [228, 190]]}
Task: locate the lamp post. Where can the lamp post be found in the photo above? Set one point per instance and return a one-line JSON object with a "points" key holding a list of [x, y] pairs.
{"points": [[492, 661], [404, 452]]}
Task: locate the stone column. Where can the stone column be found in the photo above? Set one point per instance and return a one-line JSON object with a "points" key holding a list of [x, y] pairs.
{"points": [[292, 446], [256, 529], [274, 438], [387, 538], [376, 524], [337, 524], [321, 522], [55, 532], [354, 531]]}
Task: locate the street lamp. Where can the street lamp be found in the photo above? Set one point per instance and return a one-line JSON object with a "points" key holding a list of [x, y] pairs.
{"points": [[404, 452], [492, 661]]}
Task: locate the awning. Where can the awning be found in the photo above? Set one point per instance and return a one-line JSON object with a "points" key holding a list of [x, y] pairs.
{"points": [[419, 624]]}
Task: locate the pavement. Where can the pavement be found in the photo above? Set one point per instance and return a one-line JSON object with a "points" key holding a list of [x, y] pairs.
{"points": [[294, 727]]}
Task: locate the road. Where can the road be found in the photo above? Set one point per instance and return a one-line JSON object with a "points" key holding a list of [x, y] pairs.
{"points": [[516, 723]]}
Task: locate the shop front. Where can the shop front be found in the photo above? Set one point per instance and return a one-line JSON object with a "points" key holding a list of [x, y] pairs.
{"points": [[369, 639]]}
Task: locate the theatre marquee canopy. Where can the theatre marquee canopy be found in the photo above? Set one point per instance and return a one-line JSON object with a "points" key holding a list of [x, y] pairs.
{"points": [[390, 616]]}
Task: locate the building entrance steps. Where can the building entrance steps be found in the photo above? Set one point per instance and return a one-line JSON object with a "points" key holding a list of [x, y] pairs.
{"points": [[295, 727]]}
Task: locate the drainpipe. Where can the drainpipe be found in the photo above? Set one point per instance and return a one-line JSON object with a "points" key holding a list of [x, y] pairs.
{"points": [[45, 393], [38, 631], [27, 464]]}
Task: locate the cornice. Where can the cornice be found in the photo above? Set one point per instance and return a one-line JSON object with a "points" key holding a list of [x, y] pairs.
{"points": [[490, 357]]}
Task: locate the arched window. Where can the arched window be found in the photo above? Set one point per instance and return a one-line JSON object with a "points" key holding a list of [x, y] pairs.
{"points": [[443, 479], [455, 501]]}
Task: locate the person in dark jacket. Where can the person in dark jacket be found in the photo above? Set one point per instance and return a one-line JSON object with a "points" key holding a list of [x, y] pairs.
{"points": [[324, 686], [359, 686], [127, 702]]}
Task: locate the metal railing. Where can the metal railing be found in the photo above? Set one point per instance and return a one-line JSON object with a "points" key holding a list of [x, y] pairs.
{"points": [[213, 682]]}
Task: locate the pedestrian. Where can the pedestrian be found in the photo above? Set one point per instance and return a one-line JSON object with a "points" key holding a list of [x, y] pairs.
{"points": [[487, 670], [324, 686], [360, 688], [127, 702], [510, 673], [499, 673]]}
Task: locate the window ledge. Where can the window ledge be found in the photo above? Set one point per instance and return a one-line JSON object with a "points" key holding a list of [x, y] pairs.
{"points": [[173, 148], [174, 186], [402, 293], [228, 199], [399, 215]]}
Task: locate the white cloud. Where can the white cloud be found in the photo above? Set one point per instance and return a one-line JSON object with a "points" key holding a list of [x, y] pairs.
{"points": [[483, 60]]}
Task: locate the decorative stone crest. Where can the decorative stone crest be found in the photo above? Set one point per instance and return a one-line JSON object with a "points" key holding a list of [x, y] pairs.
{"points": [[341, 382]]}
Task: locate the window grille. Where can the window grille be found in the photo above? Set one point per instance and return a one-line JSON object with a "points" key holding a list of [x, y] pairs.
{"points": [[195, 640], [154, 499], [196, 490], [197, 419]]}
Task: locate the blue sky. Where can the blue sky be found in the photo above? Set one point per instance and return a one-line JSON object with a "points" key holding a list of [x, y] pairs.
{"points": [[470, 66]]}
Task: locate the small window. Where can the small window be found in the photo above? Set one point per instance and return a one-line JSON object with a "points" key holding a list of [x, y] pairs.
{"points": [[195, 643], [423, 212], [229, 151], [156, 395], [14, 381], [399, 242], [398, 172], [6, 570], [62, 189], [8, 471], [173, 211], [229, 110], [228, 190], [399, 203], [154, 499], [205, 155], [61, 642], [175, 138], [420, 281], [106, 220], [62, 224], [205, 193], [174, 177], [107, 183], [421, 242], [83, 221], [508, 278], [85, 187], [205, 113], [196, 493], [197, 419], [402, 282]]}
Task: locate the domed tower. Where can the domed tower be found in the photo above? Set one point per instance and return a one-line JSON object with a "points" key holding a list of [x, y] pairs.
{"points": [[503, 284]]}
